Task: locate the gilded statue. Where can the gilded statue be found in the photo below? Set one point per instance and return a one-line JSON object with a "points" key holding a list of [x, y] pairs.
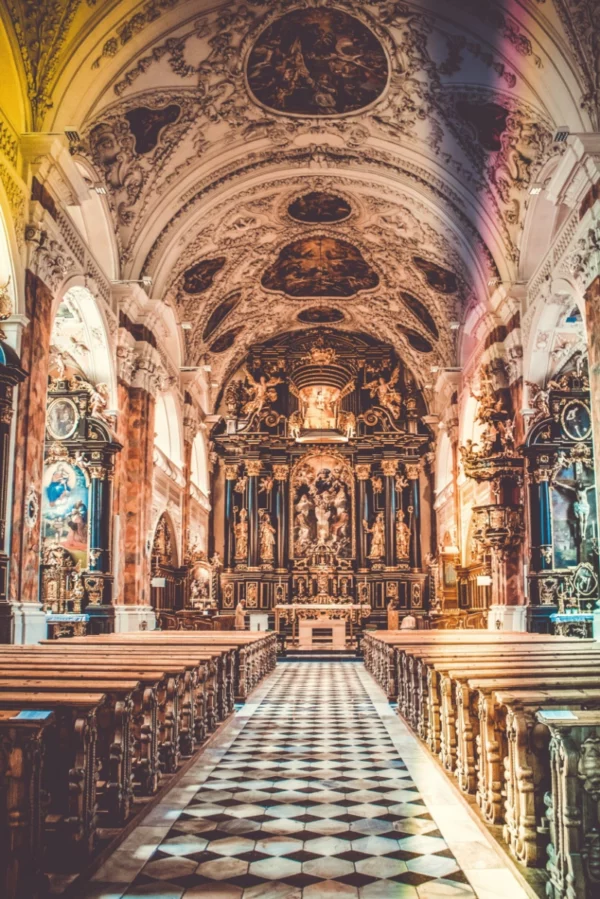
{"points": [[385, 394], [402, 536], [261, 393], [377, 532], [539, 399], [267, 537], [240, 530]]}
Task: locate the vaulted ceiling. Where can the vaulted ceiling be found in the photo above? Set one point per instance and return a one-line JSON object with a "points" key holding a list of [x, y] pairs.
{"points": [[273, 163]]}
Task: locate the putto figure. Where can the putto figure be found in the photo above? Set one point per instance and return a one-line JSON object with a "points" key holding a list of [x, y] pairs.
{"points": [[385, 394]]}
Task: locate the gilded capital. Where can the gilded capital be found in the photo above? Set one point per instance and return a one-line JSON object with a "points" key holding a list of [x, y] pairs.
{"points": [[412, 471], [363, 472], [542, 474], [389, 467], [280, 472], [231, 472], [253, 467]]}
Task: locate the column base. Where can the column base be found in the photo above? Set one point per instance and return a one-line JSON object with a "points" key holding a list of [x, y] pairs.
{"points": [[128, 619], [507, 618], [22, 623]]}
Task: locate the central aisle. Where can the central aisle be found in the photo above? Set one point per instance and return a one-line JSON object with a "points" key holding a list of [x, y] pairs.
{"points": [[305, 794]]}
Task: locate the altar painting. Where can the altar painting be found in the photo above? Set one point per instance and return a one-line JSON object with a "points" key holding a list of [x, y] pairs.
{"points": [[573, 516], [319, 407], [322, 506], [65, 504]]}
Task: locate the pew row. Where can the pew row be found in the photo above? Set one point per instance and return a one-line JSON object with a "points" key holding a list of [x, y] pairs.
{"points": [[90, 725], [478, 706]]}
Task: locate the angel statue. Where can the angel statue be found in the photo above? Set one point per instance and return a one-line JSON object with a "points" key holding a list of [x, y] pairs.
{"points": [[261, 393], [383, 391], [99, 396], [538, 398], [377, 532]]}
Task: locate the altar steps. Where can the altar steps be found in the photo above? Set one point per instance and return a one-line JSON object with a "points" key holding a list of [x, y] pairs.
{"points": [[320, 655]]}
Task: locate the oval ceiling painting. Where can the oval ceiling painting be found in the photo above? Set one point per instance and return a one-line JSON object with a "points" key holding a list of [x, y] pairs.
{"points": [[437, 277], [317, 62], [226, 340], [321, 315], [200, 276], [422, 313], [319, 207], [220, 314], [320, 267], [416, 340]]}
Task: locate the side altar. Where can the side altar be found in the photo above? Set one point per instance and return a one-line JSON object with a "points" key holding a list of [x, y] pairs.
{"points": [[322, 484]]}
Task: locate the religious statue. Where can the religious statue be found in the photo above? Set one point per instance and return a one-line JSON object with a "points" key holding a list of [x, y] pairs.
{"points": [[384, 392], [98, 394], [261, 393], [295, 425], [240, 530], [267, 537], [378, 537], [240, 616], [539, 400], [402, 536]]}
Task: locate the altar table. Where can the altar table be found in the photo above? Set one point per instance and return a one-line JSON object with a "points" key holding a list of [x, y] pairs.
{"points": [[295, 612]]}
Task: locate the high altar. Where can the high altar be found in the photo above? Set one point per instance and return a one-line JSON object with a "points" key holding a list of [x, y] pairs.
{"points": [[321, 449]]}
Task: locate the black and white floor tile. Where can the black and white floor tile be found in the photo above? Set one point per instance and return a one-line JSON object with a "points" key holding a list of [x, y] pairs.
{"points": [[308, 795]]}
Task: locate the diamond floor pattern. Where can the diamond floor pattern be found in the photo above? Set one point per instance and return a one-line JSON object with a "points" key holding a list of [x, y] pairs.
{"points": [[310, 800]]}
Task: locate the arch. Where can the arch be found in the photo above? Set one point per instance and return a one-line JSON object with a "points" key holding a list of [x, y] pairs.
{"points": [[199, 465], [167, 433], [93, 218], [80, 341], [557, 331]]}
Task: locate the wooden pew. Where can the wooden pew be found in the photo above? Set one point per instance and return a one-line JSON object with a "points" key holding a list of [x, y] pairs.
{"points": [[22, 738], [572, 804], [69, 773]]}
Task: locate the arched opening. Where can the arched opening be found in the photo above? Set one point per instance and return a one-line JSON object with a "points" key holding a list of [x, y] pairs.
{"points": [[167, 429]]}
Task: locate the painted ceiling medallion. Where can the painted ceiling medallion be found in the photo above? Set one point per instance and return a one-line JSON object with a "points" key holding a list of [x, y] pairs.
{"points": [[421, 312], [437, 277], [219, 314], [321, 315], [416, 340], [319, 207], [320, 267], [146, 125], [226, 340], [200, 276], [317, 62]]}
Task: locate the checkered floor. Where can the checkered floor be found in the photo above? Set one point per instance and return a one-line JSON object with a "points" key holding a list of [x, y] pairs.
{"points": [[310, 800]]}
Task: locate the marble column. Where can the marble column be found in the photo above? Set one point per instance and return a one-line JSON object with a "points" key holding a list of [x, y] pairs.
{"points": [[30, 427], [231, 474], [11, 374], [390, 468], [540, 519], [363, 473], [412, 474], [253, 467], [281, 473]]}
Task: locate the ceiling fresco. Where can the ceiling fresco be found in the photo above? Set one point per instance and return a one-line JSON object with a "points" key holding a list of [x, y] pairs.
{"points": [[200, 276], [317, 62], [319, 207], [225, 134], [320, 315], [320, 267]]}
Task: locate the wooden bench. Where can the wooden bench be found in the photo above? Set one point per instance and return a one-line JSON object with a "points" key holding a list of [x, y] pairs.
{"points": [[572, 803], [23, 735]]}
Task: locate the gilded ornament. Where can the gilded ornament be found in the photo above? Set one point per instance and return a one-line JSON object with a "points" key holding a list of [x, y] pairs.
{"points": [[389, 467], [280, 472], [253, 467], [385, 394], [413, 471], [231, 472], [362, 471]]}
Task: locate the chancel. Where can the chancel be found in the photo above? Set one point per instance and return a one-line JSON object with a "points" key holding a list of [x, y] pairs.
{"points": [[299, 445]]}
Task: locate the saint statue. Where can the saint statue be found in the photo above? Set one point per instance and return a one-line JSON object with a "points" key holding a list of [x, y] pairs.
{"points": [[261, 393], [240, 529], [385, 394], [240, 616], [267, 537], [402, 536], [378, 537]]}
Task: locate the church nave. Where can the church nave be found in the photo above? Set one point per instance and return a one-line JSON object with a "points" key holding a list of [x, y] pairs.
{"points": [[314, 789]]}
